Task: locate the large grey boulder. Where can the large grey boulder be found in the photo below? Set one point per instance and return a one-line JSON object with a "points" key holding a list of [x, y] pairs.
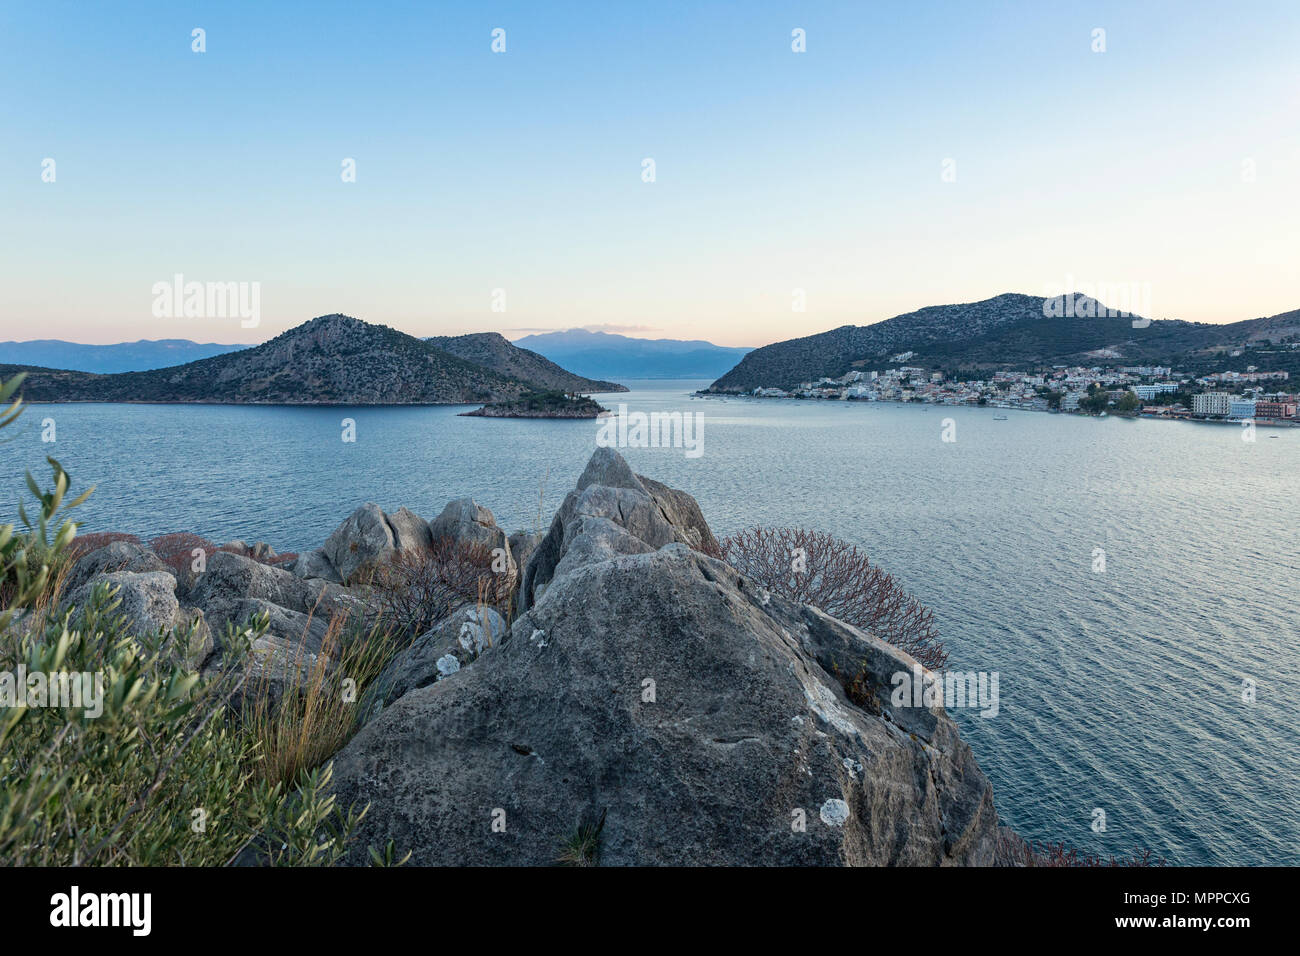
{"points": [[361, 542], [365, 540], [233, 588], [467, 522], [115, 556], [650, 687], [410, 531], [231, 577], [147, 599], [522, 544], [316, 564]]}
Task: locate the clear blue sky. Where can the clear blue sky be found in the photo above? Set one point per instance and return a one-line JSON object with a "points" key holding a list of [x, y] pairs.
{"points": [[774, 170]]}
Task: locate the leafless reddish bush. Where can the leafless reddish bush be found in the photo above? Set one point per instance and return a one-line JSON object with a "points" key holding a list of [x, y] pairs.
{"points": [[815, 568], [83, 544], [418, 588], [177, 550]]}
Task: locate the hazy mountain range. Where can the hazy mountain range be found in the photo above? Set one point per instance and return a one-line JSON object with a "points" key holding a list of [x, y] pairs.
{"points": [[1013, 331], [609, 355], [599, 355], [333, 359], [107, 359]]}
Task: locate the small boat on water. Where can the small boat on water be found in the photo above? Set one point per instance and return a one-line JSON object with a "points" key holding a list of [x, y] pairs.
{"points": [[999, 418]]}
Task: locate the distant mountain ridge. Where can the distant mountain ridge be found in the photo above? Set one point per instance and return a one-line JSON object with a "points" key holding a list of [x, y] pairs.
{"points": [[496, 352], [332, 359], [1009, 330], [139, 356], [609, 355]]}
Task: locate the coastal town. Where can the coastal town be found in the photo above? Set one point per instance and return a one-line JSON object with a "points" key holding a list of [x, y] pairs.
{"points": [[1136, 391]]}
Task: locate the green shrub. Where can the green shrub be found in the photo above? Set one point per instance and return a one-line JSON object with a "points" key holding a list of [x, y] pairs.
{"points": [[139, 761]]}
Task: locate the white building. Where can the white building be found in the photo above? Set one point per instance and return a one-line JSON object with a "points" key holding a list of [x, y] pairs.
{"points": [[1148, 392], [1212, 403]]}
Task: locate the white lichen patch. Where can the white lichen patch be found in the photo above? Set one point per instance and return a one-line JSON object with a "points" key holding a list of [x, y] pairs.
{"points": [[448, 664], [538, 637], [474, 633], [834, 813], [853, 767], [823, 703]]}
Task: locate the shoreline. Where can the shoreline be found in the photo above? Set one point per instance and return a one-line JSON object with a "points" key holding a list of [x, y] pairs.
{"points": [[1259, 422]]}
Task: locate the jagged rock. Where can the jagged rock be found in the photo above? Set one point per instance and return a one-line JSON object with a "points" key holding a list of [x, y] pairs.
{"points": [[650, 686], [148, 602], [234, 587], [455, 642], [609, 512], [277, 666], [410, 531], [468, 522], [366, 539], [315, 564], [683, 513], [522, 544], [231, 577], [261, 551], [360, 542], [116, 556]]}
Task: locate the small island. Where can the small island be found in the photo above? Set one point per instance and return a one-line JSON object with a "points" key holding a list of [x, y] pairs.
{"points": [[548, 404]]}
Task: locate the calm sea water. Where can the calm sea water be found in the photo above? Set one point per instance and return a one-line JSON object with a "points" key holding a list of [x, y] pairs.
{"points": [[1120, 690]]}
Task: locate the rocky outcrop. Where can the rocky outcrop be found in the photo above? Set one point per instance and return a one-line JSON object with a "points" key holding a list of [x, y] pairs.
{"points": [[455, 642], [360, 542], [467, 522], [522, 545], [650, 687], [609, 512], [115, 556], [147, 599], [369, 537], [683, 513], [410, 531], [229, 591], [366, 539]]}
